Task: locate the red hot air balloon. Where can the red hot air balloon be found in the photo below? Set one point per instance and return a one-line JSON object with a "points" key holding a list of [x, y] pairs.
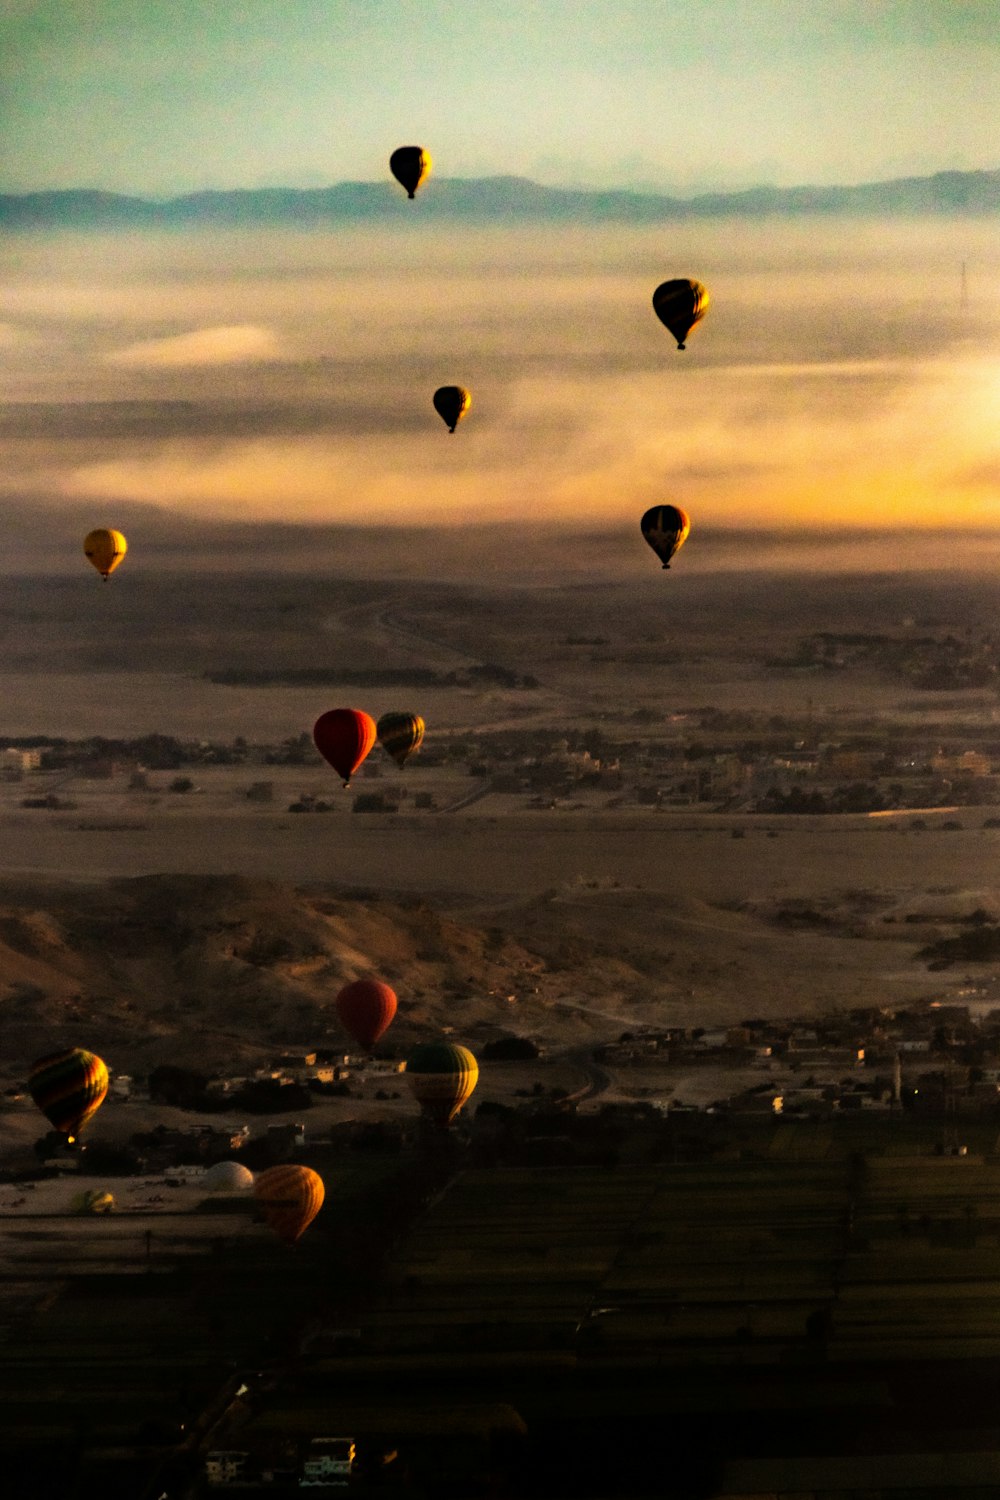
{"points": [[366, 1009], [344, 737]]}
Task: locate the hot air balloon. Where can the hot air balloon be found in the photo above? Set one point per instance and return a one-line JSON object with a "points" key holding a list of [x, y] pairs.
{"points": [[400, 735], [679, 305], [451, 402], [105, 549], [410, 165], [290, 1198], [68, 1088], [442, 1076], [344, 737], [228, 1177], [93, 1201], [366, 1009], [665, 528]]}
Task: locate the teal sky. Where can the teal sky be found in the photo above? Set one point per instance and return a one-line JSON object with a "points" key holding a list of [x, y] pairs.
{"points": [[163, 96]]}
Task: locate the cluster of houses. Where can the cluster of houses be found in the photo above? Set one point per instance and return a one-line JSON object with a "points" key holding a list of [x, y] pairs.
{"points": [[741, 762], [935, 1059]]}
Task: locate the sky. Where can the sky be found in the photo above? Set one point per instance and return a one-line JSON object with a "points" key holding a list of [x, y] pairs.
{"points": [[159, 97], [257, 376]]}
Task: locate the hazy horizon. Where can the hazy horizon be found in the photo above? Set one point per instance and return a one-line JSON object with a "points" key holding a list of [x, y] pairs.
{"points": [[280, 376], [677, 96]]}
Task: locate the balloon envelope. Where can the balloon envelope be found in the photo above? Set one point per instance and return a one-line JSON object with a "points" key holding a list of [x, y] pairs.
{"points": [[679, 305], [442, 1076], [410, 165], [400, 735], [105, 549], [366, 1009], [665, 528], [451, 402], [68, 1088], [228, 1177], [344, 736], [93, 1201], [290, 1198]]}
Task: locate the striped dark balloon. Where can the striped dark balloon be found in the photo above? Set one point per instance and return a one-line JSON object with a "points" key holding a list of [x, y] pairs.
{"points": [[666, 528], [442, 1076], [679, 305], [400, 735], [290, 1197], [451, 402], [68, 1088]]}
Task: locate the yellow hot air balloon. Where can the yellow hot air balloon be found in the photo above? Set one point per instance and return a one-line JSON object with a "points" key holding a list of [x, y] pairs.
{"points": [[290, 1198], [105, 549], [442, 1077], [410, 165]]}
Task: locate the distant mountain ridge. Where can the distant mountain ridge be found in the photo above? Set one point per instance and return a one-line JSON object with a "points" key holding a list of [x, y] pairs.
{"points": [[469, 199]]}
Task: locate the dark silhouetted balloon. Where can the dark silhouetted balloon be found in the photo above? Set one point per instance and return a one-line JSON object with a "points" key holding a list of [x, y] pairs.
{"points": [[68, 1088], [665, 528], [366, 1008], [344, 736], [451, 402], [410, 165], [400, 735], [441, 1076], [290, 1198], [679, 305]]}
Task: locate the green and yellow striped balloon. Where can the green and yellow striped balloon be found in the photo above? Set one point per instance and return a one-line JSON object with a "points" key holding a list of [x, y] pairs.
{"points": [[400, 735], [442, 1077], [68, 1088]]}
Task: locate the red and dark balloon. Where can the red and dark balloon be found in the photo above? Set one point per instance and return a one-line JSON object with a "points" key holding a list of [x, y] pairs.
{"points": [[344, 736], [366, 1008]]}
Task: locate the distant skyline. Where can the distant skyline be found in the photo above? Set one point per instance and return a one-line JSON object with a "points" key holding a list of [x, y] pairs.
{"points": [[673, 96]]}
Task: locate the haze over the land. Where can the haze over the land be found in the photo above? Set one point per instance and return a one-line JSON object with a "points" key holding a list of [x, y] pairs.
{"points": [[840, 380]]}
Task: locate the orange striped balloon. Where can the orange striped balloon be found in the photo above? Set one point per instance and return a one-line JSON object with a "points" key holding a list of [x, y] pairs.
{"points": [[68, 1088], [290, 1198]]}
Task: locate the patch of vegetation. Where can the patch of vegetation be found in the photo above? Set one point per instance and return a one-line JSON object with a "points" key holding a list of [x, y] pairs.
{"points": [[981, 944]]}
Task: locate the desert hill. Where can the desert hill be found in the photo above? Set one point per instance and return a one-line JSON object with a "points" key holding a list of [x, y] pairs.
{"points": [[221, 971], [477, 198]]}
